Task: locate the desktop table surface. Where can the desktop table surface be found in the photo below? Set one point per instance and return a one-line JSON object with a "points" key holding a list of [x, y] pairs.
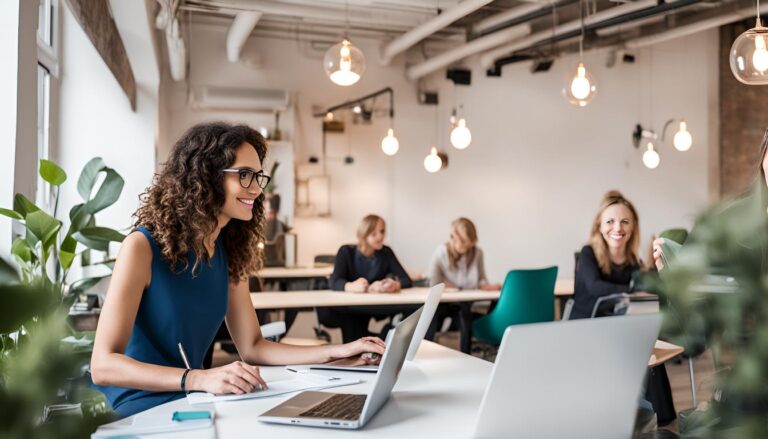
{"points": [[437, 395], [417, 295]]}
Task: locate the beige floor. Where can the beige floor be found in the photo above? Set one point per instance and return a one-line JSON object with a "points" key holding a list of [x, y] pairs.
{"points": [[677, 371]]}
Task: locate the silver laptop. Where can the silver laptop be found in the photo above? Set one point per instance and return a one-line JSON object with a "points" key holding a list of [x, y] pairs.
{"points": [[344, 410], [575, 379], [427, 314]]}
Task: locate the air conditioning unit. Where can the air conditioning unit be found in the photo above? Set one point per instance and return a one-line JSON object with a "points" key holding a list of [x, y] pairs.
{"points": [[208, 97]]}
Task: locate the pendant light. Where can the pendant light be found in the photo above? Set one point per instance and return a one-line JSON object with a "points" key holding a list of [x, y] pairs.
{"points": [[580, 88], [749, 54], [344, 63], [390, 144], [433, 162], [461, 137]]}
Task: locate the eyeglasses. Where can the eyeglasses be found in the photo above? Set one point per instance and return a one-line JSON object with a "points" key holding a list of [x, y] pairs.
{"points": [[247, 176]]}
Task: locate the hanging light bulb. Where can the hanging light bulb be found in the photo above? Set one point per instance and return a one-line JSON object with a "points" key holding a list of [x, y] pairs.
{"points": [[682, 139], [749, 54], [389, 144], [433, 162], [651, 158], [581, 88], [461, 137], [344, 63]]}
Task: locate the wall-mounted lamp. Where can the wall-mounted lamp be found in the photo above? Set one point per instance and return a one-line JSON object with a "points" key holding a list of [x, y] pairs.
{"points": [[651, 158], [682, 139]]}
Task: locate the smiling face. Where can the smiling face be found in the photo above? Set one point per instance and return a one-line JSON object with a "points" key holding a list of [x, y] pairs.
{"points": [[238, 201], [616, 226], [375, 239]]}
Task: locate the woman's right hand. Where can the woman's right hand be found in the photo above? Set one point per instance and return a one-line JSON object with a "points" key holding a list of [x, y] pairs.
{"points": [[237, 378], [358, 286], [658, 253]]}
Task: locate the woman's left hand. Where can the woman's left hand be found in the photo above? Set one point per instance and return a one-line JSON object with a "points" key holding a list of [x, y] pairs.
{"points": [[352, 352]]}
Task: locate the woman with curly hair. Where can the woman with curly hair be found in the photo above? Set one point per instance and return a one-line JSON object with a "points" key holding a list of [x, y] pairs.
{"points": [[184, 270]]}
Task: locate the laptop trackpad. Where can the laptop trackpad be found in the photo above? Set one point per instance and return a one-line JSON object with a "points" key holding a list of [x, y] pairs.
{"points": [[298, 404]]}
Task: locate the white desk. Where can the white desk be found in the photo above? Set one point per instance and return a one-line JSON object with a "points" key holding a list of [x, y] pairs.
{"points": [[281, 273], [321, 298], [438, 395]]}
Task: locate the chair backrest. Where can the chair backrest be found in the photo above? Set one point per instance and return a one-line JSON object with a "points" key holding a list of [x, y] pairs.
{"points": [[527, 296], [325, 259]]}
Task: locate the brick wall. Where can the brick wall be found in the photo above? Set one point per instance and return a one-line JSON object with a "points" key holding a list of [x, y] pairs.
{"points": [[743, 120]]}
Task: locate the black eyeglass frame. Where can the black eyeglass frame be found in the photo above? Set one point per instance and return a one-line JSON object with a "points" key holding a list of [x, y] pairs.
{"points": [[255, 175]]}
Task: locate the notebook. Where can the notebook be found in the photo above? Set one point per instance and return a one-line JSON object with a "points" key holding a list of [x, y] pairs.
{"points": [[151, 423]]}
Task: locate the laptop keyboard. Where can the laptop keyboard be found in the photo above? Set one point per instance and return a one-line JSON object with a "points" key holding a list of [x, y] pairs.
{"points": [[339, 406]]}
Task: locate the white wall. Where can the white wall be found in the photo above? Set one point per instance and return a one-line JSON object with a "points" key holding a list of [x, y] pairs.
{"points": [[96, 117], [535, 172]]}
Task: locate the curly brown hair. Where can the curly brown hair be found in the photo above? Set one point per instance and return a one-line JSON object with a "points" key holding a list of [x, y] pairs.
{"points": [[181, 207]]}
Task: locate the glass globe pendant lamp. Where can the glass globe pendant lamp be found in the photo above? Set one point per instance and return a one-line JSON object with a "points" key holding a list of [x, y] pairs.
{"points": [[344, 63]]}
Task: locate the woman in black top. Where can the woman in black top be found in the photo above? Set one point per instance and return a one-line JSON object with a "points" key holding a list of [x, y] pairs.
{"points": [[606, 265], [368, 267]]}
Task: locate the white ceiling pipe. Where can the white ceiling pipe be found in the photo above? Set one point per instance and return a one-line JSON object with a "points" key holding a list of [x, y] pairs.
{"points": [[694, 27], [241, 28], [177, 51], [357, 16], [418, 33], [471, 48], [503, 17], [489, 58]]}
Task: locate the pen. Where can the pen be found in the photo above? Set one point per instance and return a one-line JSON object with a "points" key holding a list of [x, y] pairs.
{"points": [[184, 356]]}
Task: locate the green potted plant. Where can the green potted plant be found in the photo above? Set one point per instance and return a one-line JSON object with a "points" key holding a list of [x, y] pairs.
{"points": [[40, 366]]}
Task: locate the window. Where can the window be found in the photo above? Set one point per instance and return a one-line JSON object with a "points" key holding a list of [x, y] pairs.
{"points": [[47, 73]]}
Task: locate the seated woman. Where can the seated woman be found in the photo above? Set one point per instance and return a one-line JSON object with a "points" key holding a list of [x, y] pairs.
{"points": [[184, 270], [367, 267], [606, 265], [458, 264]]}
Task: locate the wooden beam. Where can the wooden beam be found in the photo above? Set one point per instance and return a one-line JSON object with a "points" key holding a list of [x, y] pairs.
{"points": [[96, 20]]}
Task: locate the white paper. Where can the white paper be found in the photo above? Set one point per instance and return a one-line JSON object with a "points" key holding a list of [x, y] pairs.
{"points": [[150, 423], [302, 381]]}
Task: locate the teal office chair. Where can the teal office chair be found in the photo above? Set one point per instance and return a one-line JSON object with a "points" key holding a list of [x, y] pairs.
{"points": [[527, 296]]}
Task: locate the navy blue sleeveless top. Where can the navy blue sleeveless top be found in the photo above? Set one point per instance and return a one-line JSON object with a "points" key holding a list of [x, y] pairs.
{"points": [[175, 308]]}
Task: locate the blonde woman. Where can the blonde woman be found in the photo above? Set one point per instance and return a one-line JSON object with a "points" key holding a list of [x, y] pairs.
{"points": [[366, 267], [459, 262], [607, 263]]}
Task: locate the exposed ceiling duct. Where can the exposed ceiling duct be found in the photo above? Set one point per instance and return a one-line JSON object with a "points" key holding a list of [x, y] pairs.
{"points": [[241, 28], [695, 27], [475, 46], [488, 59], [488, 24], [418, 33], [167, 20]]}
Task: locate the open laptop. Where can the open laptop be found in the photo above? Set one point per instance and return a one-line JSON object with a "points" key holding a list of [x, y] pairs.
{"points": [[427, 314], [576, 378], [345, 410]]}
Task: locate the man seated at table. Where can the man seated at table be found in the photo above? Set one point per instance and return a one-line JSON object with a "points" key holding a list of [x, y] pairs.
{"points": [[367, 267]]}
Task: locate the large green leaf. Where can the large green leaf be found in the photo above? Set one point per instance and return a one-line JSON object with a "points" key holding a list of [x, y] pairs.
{"points": [[67, 251], [108, 192], [52, 173], [88, 177], [22, 250], [98, 238], [11, 214], [85, 284], [42, 225], [8, 274], [23, 205]]}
